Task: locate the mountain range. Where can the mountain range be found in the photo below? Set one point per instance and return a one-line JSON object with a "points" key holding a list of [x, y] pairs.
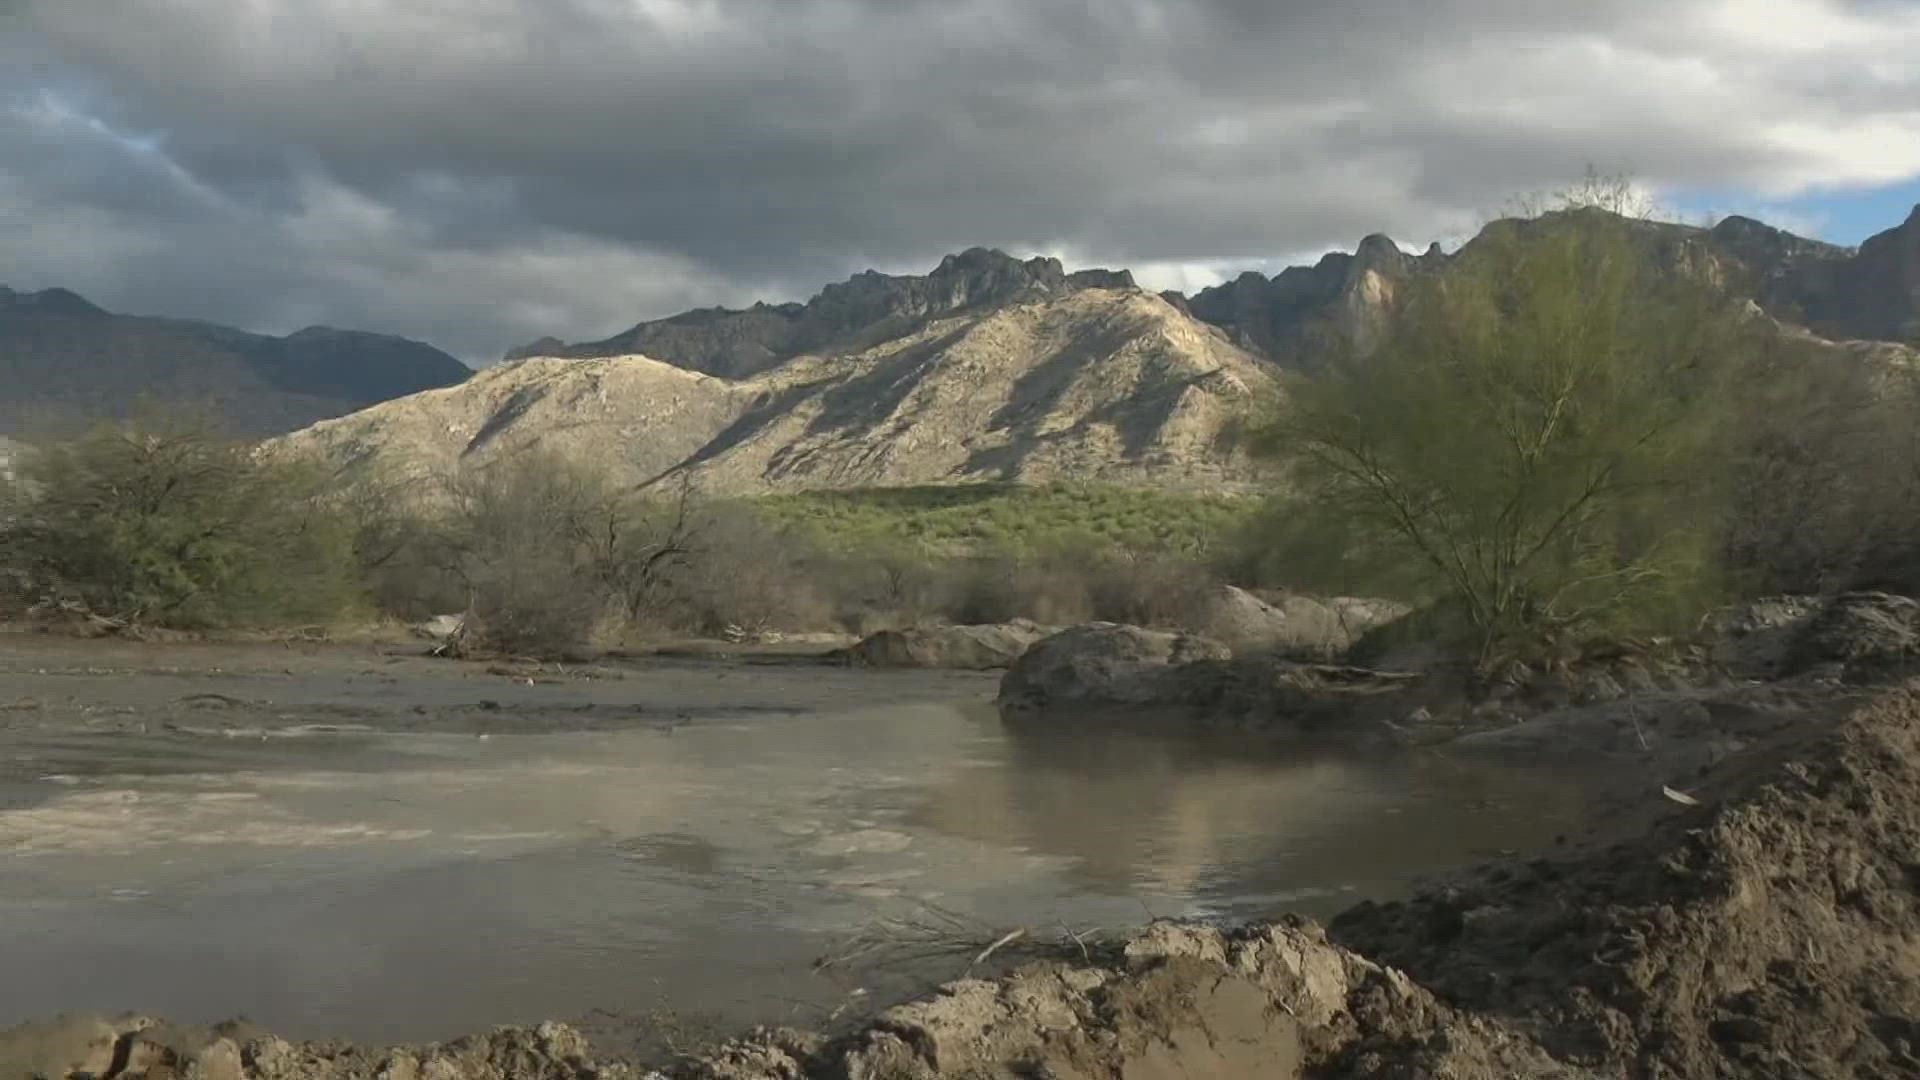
{"points": [[988, 367], [64, 361], [1293, 318]]}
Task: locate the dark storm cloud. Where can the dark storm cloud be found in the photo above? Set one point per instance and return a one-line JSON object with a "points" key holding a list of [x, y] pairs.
{"points": [[482, 172]]}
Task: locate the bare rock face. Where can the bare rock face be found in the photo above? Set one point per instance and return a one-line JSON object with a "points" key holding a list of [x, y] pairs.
{"points": [[1083, 385], [969, 648], [1307, 313], [1103, 664]]}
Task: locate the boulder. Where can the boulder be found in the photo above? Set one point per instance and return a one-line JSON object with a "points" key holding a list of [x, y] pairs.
{"points": [[1292, 625], [1862, 636], [1753, 640], [1856, 636], [972, 648], [439, 627], [1102, 664], [1124, 673]]}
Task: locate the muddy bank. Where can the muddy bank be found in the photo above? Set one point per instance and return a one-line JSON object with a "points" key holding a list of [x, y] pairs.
{"points": [[54, 683], [1765, 924], [1675, 701]]}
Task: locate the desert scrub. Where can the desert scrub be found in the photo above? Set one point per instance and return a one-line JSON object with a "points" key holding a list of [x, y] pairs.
{"points": [[971, 519]]}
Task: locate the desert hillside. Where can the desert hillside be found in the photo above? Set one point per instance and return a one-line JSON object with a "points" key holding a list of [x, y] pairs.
{"points": [[1089, 384]]}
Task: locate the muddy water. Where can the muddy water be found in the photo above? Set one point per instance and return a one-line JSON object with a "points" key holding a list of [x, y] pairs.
{"points": [[387, 880]]}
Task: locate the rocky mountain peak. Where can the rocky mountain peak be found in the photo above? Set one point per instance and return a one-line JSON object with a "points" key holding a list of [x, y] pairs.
{"points": [[1296, 316], [867, 307], [1377, 249], [1872, 294]]}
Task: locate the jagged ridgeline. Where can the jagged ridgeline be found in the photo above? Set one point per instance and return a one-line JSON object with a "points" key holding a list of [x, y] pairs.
{"points": [[992, 368], [987, 369]]}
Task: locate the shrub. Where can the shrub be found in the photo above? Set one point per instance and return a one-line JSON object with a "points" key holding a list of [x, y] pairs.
{"points": [[525, 540], [167, 523], [738, 575], [1824, 476], [1533, 442]]}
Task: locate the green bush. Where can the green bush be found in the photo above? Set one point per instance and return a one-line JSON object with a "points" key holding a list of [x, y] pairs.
{"points": [[1537, 442], [169, 524]]}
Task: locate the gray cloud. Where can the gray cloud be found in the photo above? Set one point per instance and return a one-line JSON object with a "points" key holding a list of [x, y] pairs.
{"points": [[485, 172]]}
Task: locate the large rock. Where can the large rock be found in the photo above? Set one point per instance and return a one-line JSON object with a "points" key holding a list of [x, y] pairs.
{"points": [[1857, 636], [1290, 625], [971, 648], [1862, 636], [1753, 640], [1103, 664], [1126, 674]]}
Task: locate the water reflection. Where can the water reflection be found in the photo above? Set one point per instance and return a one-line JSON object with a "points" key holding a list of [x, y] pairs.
{"points": [[1226, 818]]}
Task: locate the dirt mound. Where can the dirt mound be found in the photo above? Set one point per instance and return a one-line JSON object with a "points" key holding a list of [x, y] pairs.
{"points": [[1774, 930], [1178, 1001], [137, 1048]]}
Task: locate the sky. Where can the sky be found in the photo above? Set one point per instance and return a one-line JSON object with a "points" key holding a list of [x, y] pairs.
{"points": [[480, 173]]}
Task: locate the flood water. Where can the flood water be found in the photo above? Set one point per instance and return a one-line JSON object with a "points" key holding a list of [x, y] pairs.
{"points": [[411, 885]]}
